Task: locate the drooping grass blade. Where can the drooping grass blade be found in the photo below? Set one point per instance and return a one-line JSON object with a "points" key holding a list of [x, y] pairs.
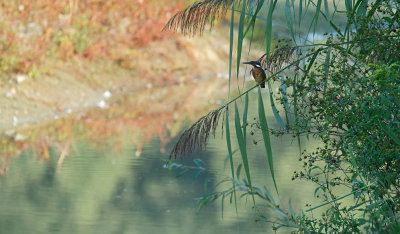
{"points": [[229, 146], [310, 64], [326, 5], [274, 109], [240, 36], [246, 107], [268, 32], [326, 67], [254, 16], [266, 138], [316, 16], [285, 100], [296, 114], [242, 147], [289, 20], [231, 46], [300, 11]]}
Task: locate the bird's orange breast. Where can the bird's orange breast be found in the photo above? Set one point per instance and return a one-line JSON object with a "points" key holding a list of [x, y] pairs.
{"points": [[258, 74]]}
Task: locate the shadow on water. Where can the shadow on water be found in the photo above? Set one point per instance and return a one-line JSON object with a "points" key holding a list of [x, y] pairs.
{"points": [[106, 192], [84, 175]]}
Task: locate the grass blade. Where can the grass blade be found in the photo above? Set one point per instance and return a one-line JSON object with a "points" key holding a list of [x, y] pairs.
{"points": [[246, 107], [285, 100], [390, 133], [300, 11], [268, 32], [242, 148], [349, 6], [326, 67], [265, 133], [229, 146], [326, 5], [231, 46], [316, 16], [274, 109], [312, 60], [254, 17], [240, 35], [289, 20], [296, 114]]}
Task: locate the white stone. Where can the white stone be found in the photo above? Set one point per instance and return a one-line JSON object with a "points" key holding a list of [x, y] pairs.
{"points": [[21, 78], [20, 137], [102, 104], [107, 94]]}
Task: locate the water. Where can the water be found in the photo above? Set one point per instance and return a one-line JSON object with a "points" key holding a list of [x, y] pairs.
{"points": [[90, 175]]}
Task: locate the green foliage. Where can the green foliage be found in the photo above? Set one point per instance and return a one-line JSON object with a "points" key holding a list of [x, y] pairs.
{"points": [[345, 92]]}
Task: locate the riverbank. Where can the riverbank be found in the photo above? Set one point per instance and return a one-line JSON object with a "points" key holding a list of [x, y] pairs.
{"points": [[173, 82]]}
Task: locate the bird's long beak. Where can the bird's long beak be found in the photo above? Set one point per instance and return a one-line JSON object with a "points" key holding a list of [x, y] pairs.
{"points": [[247, 63]]}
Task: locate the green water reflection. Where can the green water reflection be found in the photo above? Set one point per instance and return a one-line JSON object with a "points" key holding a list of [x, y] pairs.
{"points": [[110, 190]]}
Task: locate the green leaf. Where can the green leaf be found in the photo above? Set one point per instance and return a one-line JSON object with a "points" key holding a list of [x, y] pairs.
{"points": [[265, 133], [199, 162], [242, 146], [326, 67], [240, 35], [246, 107], [312, 60], [361, 7], [391, 134], [269, 197], [231, 45], [289, 20], [292, 213], [172, 165], [229, 146], [389, 20], [326, 5], [285, 100], [268, 33], [300, 11], [254, 17], [349, 6], [238, 170], [296, 115], [274, 109], [197, 173], [316, 16]]}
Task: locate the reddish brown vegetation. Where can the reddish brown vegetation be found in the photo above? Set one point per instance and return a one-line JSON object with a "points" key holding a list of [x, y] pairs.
{"points": [[32, 30]]}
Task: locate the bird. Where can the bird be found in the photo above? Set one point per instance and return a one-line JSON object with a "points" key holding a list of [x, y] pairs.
{"points": [[258, 73]]}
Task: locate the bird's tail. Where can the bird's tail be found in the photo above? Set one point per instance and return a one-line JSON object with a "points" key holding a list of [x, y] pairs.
{"points": [[262, 85]]}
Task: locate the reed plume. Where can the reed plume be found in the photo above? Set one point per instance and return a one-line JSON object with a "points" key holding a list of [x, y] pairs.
{"points": [[196, 137], [194, 18]]}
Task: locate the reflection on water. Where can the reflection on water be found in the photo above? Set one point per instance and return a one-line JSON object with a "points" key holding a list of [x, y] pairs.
{"points": [[82, 174]]}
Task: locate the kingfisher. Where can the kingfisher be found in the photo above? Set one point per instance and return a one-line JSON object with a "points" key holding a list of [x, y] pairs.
{"points": [[258, 73]]}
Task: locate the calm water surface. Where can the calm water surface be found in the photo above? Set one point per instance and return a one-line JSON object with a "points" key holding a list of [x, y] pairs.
{"points": [[100, 185]]}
